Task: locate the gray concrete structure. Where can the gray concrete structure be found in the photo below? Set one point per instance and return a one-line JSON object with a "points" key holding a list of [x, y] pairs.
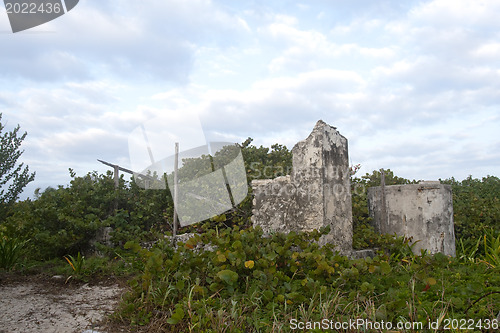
{"points": [[315, 195], [422, 211]]}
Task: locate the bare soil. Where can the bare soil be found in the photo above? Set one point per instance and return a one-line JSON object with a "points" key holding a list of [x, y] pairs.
{"points": [[46, 304]]}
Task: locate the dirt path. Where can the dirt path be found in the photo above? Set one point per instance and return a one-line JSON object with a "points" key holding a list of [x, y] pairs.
{"points": [[43, 304]]}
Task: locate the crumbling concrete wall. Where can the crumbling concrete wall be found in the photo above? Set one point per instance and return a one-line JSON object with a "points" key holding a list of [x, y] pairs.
{"points": [[317, 193], [422, 211]]}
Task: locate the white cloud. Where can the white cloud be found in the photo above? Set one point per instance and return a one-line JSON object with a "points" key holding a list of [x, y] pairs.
{"points": [[413, 86], [488, 51], [357, 26], [446, 13], [128, 40], [312, 49]]}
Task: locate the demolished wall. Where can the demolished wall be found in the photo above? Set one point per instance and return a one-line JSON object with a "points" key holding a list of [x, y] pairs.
{"points": [[317, 193], [422, 211]]}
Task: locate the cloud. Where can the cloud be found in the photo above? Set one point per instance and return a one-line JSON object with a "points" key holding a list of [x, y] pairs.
{"points": [[487, 51], [153, 40], [414, 86], [312, 49], [446, 13], [279, 101]]}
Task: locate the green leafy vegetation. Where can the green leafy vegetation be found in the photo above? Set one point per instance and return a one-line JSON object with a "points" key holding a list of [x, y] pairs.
{"points": [[13, 176], [10, 251], [251, 283], [66, 220], [228, 277], [476, 208], [76, 263]]}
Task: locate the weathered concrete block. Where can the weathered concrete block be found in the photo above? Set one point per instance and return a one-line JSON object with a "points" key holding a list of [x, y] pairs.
{"points": [[272, 202], [422, 211], [317, 194]]}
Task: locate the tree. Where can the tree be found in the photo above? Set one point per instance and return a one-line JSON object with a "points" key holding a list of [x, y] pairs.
{"points": [[13, 177]]}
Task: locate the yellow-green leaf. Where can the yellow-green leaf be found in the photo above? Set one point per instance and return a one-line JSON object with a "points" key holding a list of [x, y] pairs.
{"points": [[431, 281], [249, 264]]}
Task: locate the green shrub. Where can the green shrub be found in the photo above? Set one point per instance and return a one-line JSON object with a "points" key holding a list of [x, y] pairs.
{"points": [[251, 283], [10, 251], [63, 220], [476, 208], [492, 248]]}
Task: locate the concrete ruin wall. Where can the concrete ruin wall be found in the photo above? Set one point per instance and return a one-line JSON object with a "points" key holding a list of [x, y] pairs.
{"points": [[315, 195], [422, 211]]}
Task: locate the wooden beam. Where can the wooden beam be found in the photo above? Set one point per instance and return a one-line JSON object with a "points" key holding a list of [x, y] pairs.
{"points": [[115, 166]]}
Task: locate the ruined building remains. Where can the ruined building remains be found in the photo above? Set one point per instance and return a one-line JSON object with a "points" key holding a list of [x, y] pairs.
{"points": [[421, 211], [317, 193]]}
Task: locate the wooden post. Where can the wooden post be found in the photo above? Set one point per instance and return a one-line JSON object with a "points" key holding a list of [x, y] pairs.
{"points": [[117, 184], [117, 176], [176, 166], [382, 188]]}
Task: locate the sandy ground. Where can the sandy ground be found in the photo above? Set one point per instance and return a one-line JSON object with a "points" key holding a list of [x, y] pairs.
{"points": [[50, 305]]}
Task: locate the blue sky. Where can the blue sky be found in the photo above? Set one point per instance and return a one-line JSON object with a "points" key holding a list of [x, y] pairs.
{"points": [[413, 85]]}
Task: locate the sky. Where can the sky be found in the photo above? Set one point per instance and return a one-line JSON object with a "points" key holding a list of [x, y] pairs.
{"points": [[413, 85]]}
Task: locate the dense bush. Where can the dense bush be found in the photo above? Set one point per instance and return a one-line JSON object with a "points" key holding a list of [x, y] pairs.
{"points": [[262, 162], [63, 220], [250, 283], [476, 207]]}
